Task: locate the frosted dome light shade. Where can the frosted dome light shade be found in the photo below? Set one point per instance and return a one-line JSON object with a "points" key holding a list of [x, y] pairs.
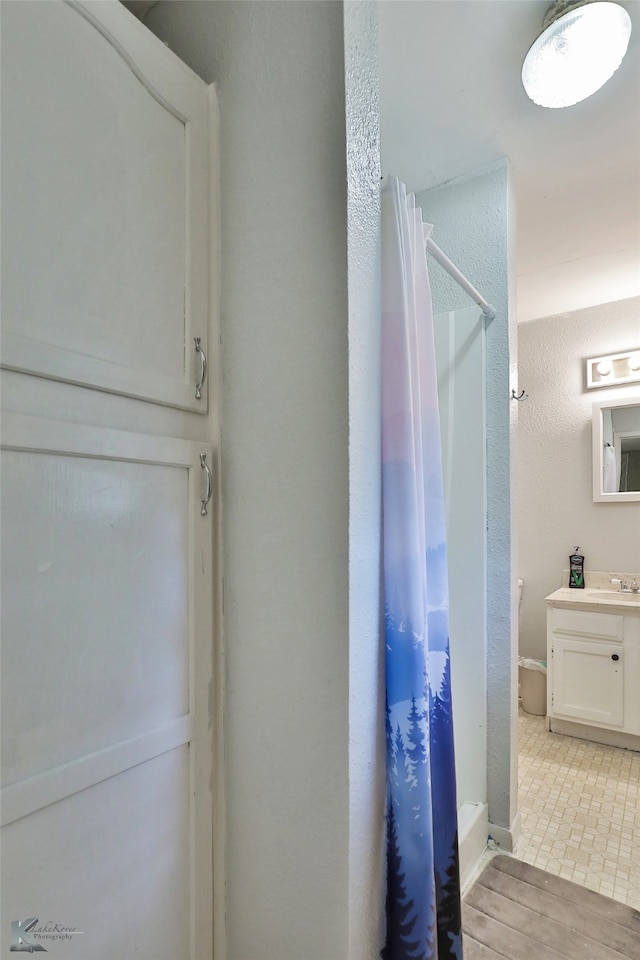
{"points": [[576, 54]]}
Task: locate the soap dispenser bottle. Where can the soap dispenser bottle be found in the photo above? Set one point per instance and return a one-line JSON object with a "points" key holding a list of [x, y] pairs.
{"points": [[576, 570]]}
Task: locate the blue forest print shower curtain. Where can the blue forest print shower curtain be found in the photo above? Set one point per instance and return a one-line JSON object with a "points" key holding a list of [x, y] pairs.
{"points": [[423, 889]]}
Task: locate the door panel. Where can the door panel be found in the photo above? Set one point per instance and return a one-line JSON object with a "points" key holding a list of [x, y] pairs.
{"points": [[107, 665], [65, 866], [588, 681], [96, 586], [104, 203]]}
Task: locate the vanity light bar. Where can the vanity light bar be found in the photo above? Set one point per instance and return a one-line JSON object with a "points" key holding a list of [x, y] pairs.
{"points": [[614, 370]]}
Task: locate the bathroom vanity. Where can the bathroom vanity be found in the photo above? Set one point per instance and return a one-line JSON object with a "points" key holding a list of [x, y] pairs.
{"points": [[593, 662]]}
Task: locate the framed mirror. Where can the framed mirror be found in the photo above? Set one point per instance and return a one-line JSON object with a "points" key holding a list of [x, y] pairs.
{"points": [[616, 450]]}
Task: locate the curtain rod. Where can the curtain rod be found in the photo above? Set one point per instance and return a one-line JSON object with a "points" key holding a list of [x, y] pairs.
{"points": [[488, 309]]}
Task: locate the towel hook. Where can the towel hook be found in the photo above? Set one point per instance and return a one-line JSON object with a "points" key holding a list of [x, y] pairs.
{"points": [[519, 396]]}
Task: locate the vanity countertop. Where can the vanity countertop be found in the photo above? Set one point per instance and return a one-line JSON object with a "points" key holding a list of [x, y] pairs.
{"points": [[598, 593]]}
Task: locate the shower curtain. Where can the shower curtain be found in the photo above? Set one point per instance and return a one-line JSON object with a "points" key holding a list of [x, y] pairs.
{"points": [[423, 888], [610, 474]]}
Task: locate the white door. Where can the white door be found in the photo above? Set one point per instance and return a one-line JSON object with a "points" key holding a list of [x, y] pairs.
{"points": [[106, 673], [105, 200], [107, 582]]}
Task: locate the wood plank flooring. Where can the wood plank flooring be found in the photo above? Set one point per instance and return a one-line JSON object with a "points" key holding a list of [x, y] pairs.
{"points": [[515, 911]]}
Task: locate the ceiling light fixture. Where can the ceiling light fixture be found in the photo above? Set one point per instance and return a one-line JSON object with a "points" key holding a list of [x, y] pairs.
{"points": [[581, 46]]}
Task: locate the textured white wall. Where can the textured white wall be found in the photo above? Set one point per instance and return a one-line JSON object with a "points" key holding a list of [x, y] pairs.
{"points": [[472, 219], [555, 472], [300, 435]]}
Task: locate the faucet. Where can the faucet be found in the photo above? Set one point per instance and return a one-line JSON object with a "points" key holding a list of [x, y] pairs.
{"points": [[626, 587]]}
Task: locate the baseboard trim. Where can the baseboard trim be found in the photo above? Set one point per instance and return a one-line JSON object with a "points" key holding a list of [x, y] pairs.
{"points": [[583, 731], [505, 838]]}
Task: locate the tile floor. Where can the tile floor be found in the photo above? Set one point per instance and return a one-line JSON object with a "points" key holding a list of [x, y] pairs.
{"points": [[580, 808]]}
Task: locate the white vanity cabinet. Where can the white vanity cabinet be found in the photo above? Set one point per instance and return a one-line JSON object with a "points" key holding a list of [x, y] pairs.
{"points": [[593, 669]]}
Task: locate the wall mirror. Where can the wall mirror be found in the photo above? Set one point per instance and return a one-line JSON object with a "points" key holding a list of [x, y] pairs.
{"points": [[616, 450]]}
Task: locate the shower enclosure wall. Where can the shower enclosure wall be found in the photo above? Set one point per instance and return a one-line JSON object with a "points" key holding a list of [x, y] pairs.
{"points": [[460, 357]]}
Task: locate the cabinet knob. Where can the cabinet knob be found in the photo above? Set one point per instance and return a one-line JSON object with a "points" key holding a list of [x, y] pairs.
{"points": [[614, 656]]}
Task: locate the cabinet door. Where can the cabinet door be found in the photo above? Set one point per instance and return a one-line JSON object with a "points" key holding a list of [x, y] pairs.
{"points": [[106, 682], [105, 200], [587, 681]]}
